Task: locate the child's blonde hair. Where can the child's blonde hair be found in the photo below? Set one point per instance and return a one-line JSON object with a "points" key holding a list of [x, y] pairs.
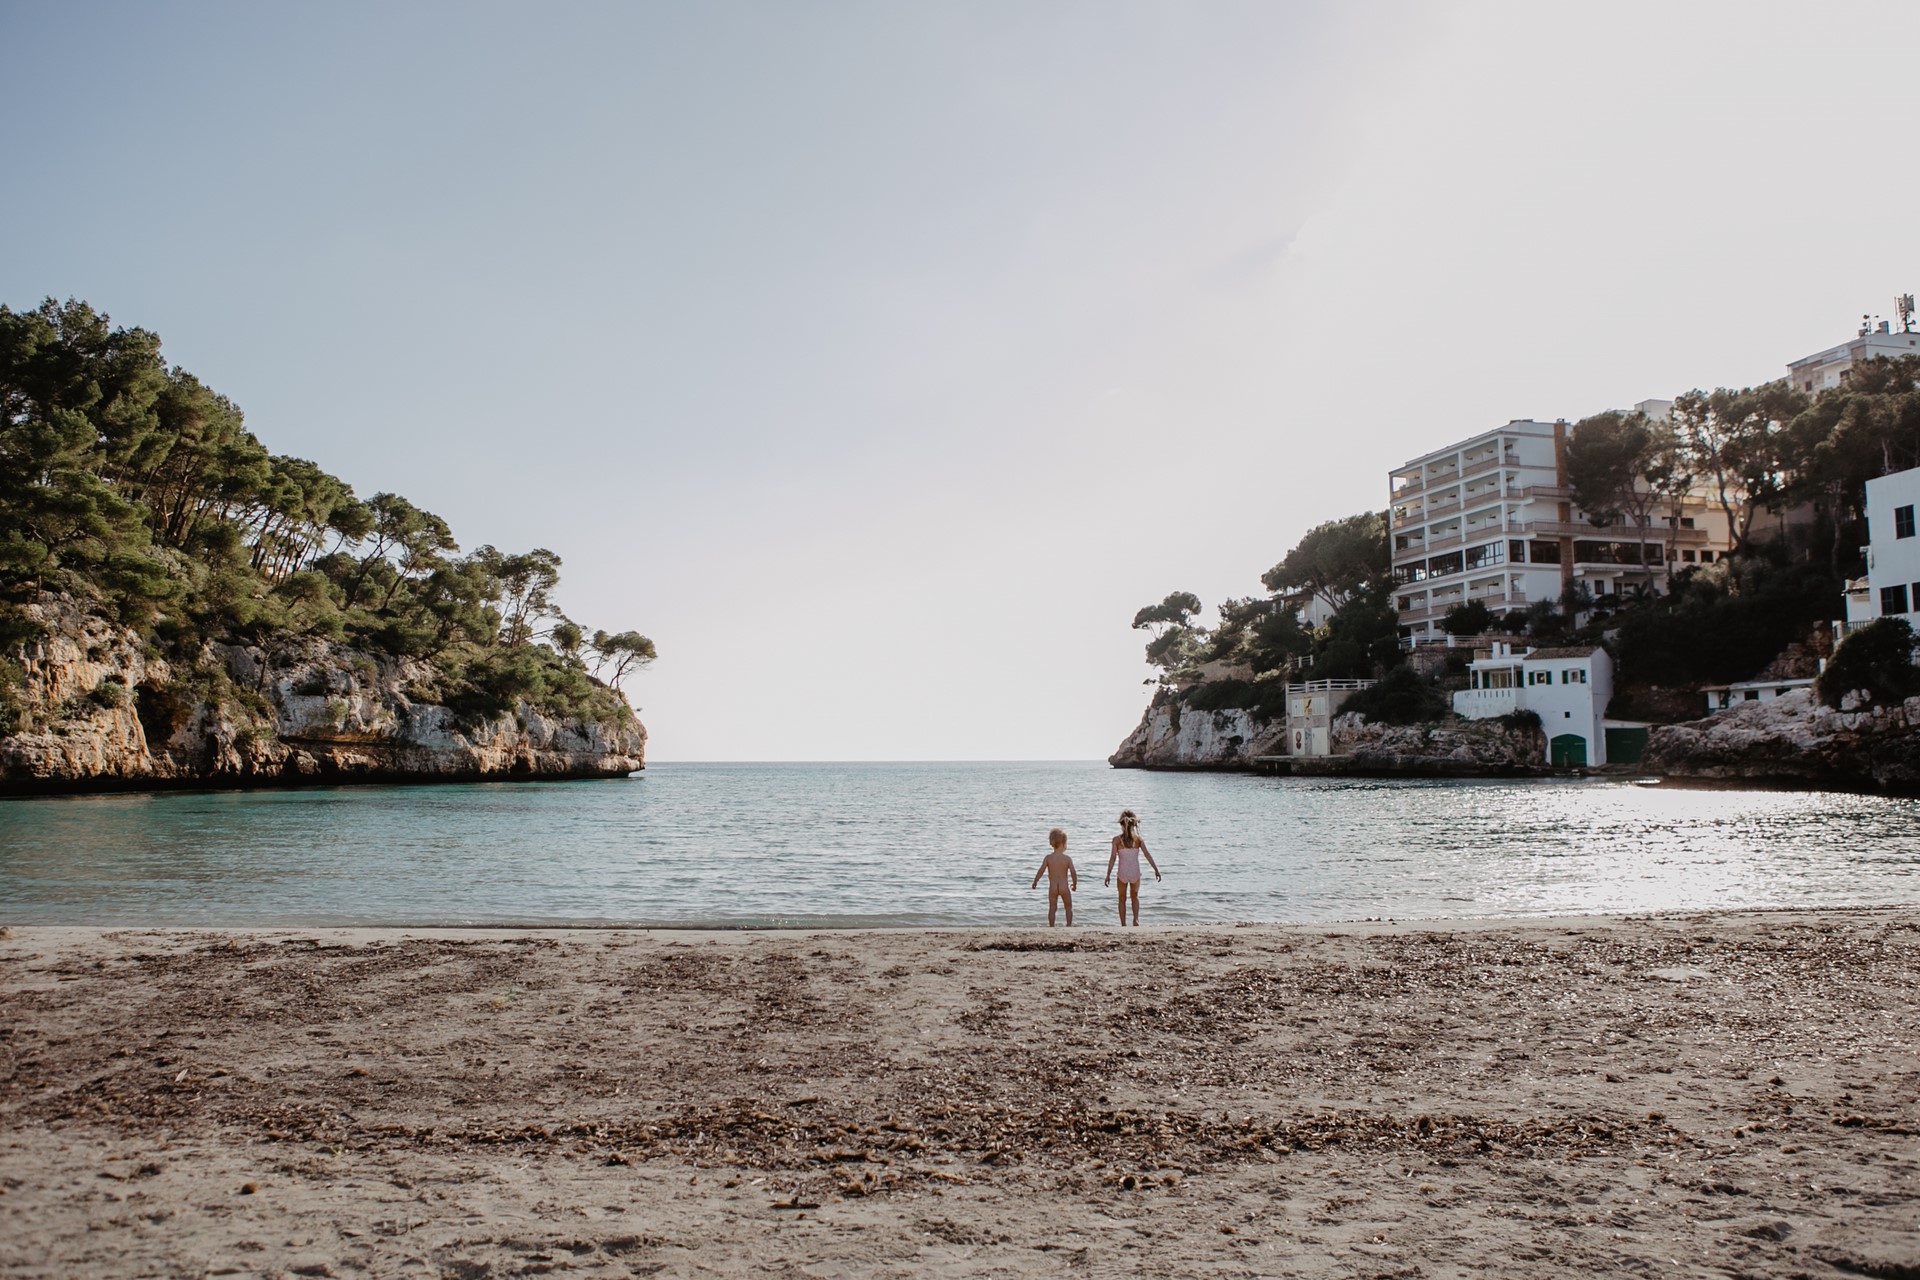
{"points": [[1129, 826], [1057, 838]]}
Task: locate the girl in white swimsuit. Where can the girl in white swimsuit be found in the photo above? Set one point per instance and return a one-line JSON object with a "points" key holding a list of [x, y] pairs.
{"points": [[1128, 849]]}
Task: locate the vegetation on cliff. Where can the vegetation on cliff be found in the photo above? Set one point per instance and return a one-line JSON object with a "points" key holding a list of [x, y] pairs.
{"points": [[134, 488]]}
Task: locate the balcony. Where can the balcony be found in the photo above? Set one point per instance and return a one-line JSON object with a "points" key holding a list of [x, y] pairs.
{"points": [[1444, 544], [1544, 493], [1442, 508], [1492, 462], [1480, 704], [1652, 535]]}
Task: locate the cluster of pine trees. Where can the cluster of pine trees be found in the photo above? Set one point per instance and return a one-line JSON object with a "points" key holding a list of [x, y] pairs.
{"points": [[138, 490]]}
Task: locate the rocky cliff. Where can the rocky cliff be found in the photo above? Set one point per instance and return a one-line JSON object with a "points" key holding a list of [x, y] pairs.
{"points": [[92, 708], [1795, 740], [1448, 749], [1170, 736]]}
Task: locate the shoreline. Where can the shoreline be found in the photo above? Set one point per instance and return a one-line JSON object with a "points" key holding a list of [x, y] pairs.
{"points": [[365, 933], [1098, 924], [1566, 1095]]}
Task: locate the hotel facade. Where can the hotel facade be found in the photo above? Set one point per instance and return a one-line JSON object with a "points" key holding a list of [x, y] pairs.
{"points": [[1491, 519]]}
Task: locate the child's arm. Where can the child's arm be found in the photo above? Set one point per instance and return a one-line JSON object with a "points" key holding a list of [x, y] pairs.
{"points": [[1111, 859], [1042, 871], [1073, 874], [1150, 861]]}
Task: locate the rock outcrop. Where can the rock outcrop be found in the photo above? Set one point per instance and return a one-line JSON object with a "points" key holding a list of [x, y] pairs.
{"points": [[1172, 736], [94, 709], [1449, 749], [1796, 741]]}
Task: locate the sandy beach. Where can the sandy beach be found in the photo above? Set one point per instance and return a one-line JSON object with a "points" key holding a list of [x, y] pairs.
{"points": [[1725, 1095]]}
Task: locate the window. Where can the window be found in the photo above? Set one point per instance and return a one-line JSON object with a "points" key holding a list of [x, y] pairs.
{"points": [[1706, 557], [1517, 552], [1903, 522], [1482, 556], [1893, 599], [1688, 556], [1751, 695], [1544, 553]]}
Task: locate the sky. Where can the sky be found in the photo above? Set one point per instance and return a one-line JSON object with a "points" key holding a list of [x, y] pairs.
{"points": [[879, 361]]}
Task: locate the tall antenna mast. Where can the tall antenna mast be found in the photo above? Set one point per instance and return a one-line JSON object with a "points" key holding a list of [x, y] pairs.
{"points": [[1903, 307]]}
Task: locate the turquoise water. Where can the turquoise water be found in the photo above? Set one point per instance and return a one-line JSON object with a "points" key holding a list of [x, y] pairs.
{"points": [[922, 844]]}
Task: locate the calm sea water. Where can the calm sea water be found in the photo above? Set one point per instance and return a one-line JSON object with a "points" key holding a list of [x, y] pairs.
{"points": [[923, 844]]}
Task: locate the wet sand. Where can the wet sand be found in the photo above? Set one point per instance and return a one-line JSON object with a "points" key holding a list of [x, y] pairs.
{"points": [[1715, 1095]]}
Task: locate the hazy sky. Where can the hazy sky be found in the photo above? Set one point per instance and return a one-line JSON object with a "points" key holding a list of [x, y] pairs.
{"points": [[880, 360]]}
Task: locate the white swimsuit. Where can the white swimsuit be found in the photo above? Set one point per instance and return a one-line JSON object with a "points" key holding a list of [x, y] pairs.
{"points": [[1129, 865]]}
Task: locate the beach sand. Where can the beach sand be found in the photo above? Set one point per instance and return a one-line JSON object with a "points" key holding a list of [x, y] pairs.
{"points": [[1729, 1094]]}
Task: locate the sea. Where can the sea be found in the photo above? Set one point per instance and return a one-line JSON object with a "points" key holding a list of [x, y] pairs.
{"points": [[911, 845]]}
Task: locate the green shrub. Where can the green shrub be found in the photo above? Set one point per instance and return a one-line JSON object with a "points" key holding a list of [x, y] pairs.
{"points": [[1403, 696], [109, 693], [1876, 661]]}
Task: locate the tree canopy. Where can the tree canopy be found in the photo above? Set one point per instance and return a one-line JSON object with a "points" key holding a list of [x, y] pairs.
{"points": [[133, 485], [1334, 561]]}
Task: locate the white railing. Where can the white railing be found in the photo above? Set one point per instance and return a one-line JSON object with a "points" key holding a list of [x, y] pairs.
{"points": [[1478, 704]]}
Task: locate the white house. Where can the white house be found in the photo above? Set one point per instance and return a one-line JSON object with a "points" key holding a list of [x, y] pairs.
{"points": [[1892, 586], [1491, 518], [1568, 688], [1722, 696]]}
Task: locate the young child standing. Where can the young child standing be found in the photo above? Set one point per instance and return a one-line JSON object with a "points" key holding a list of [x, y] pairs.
{"points": [[1128, 849], [1062, 877]]}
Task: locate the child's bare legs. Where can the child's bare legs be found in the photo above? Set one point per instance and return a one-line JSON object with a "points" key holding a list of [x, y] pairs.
{"points": [[1057, 898], [1130, 889]]}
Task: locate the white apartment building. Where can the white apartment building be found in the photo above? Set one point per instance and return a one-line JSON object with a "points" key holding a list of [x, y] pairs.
{"points": [[1567, 688], [1825, 369], [1892, 585], [1491, 518]]}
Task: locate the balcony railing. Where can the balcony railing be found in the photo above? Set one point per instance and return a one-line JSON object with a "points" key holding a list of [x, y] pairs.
{"points": [[1651, 535], [1493, 463], [1478, 704]]}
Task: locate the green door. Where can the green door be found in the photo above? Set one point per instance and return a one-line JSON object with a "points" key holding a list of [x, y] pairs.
{"points": [[1626, 746], [1567, 750]]}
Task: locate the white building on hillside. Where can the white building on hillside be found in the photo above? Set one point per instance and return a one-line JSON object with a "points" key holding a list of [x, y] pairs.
{"points": [[1892, 585], [1567, 688], [1721, 696], [1491, 518], [1825, 369]]}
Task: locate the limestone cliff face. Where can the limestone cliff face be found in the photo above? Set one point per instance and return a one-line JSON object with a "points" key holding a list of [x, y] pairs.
{"points": [[1170, 736], [96, 711], [1793, 739]]}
